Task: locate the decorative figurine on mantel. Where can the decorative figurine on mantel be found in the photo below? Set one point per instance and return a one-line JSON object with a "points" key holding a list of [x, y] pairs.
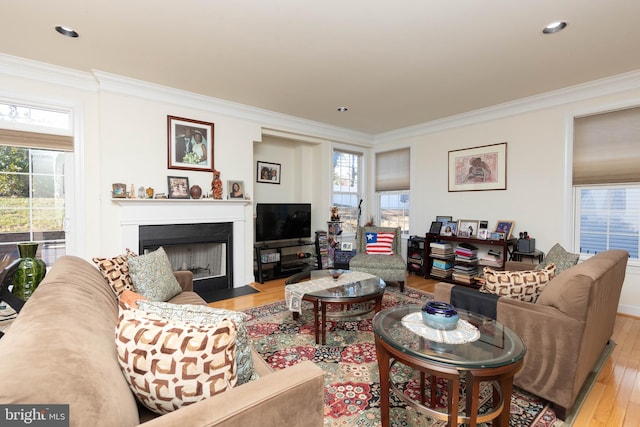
{"points": [[132, 192], [216, 185]]}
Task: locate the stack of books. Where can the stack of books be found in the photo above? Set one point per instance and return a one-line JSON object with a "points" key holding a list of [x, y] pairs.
{"points": [[492, 259], [466, 263], [442, 259]]}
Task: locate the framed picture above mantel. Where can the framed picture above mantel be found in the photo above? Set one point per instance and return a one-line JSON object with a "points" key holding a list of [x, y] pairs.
{"points": [[190, 144], [478, 168]]}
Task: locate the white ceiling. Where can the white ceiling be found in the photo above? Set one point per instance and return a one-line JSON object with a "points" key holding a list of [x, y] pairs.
{"points": [[392, 63]]}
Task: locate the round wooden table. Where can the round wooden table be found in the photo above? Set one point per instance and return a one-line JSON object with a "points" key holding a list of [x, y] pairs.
{"points": [[496, 356]]}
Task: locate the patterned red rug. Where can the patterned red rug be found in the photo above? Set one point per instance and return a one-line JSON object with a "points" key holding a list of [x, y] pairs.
{"points": [[352, 388]]}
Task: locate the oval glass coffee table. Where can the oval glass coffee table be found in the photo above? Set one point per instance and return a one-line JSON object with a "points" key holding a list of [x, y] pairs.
{"points": [[344, 292], [494, 353]]}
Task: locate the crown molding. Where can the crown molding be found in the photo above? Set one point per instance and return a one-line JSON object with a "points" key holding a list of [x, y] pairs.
{"points": [[13, 66], [267, 119], [581, 92]]}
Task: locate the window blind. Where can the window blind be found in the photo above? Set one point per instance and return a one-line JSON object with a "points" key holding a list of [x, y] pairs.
{"points": [[44, 141], [606, 148], [392, 170]]}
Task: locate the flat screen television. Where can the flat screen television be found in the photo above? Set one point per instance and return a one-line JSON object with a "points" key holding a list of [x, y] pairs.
{"points": [[283, 221]]}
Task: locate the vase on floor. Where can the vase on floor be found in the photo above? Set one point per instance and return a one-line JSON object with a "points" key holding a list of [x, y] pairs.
{"points": [[30, 272]]}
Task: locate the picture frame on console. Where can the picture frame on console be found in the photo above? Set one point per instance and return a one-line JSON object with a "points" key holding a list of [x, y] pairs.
{"points": [[268, 173], [478, 168], [469, 227], [449, 228], [505, 226], [435, 228], [178, 187], [190, 144]]}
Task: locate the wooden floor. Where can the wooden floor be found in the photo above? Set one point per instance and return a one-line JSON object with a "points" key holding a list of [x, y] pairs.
{"points": [[614, 399]]}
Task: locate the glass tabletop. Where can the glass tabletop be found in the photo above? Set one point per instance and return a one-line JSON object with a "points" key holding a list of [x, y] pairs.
{"points": [[355, 289], [497, 345]]}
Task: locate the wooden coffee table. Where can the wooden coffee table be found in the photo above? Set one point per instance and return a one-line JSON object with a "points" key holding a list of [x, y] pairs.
{"points": [[344, 295], [496, 356]]}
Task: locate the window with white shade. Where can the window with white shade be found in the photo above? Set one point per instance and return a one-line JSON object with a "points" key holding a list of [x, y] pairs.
{"points": [[392, 188], [606, 179]]}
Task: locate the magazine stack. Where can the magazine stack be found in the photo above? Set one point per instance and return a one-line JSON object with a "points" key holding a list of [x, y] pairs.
{"points": [[466, 263], [442, 259]]}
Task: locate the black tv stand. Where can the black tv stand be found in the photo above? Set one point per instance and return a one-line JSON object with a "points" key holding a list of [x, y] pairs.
{"points": [[280, 258]]}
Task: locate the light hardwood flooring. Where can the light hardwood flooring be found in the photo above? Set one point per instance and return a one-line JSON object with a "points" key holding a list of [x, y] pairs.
{"points": [[614, 399]]}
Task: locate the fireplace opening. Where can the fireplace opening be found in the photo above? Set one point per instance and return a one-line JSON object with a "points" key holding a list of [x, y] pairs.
{"points": [[205, 249]]}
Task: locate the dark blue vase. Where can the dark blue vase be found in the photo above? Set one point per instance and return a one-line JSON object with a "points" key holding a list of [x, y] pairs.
{"points": [[440, 315]]}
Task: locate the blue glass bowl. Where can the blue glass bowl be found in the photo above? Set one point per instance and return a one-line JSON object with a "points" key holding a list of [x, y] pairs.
{"points": [[440, 315]]}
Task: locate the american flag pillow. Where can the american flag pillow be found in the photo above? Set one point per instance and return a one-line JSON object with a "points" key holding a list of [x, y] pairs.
{"points": [[379, 243]]}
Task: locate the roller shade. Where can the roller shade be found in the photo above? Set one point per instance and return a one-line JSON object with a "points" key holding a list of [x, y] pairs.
{"points": [[606, 148], [392, 170], [45, 141]]}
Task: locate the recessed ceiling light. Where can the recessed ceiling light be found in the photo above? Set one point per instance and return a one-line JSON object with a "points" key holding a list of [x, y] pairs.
{"points": [[554, 27], [66, 31], [342, 109]]}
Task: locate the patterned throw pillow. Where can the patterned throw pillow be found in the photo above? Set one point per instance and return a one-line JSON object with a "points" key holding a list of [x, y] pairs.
{"points": [[521, 285], [379, 243], [204, 315], [560, 257], [129, 299], [116, 271], [153, 277], [173, 364]]}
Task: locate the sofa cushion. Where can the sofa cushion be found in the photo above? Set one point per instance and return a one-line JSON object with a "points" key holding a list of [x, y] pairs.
{"points": [[116, 271], [153, 277], [204, 315], [379, 243], [521, 285], [560, 257], [171, 364]]}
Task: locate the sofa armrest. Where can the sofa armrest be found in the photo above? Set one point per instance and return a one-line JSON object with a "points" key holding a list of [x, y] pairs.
{"points": [[292, 396], [442, 292], [185, 279]]}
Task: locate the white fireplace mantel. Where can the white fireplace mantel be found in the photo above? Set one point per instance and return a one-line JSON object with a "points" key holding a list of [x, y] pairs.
{"points": [[137, 212]]}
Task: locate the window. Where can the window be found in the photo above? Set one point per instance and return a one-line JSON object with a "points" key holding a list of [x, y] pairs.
{"points": [[32, 181], [393, 209], [606, 154], [609, 219], [392, 188], [347, 179]]}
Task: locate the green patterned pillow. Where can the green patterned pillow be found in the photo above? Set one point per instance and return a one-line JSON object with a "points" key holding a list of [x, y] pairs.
{"points": [[560, 257], [153, 277], [204, 315]]}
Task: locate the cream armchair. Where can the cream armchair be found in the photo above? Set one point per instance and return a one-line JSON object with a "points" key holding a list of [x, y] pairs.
{"points": [[390, 268]]}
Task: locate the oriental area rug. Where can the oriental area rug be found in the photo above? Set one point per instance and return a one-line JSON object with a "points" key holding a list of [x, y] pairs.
{"points": [[352, 385]]}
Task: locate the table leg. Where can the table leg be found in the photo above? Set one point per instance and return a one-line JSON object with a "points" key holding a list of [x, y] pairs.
{"points": [[472, 399], [453, 401], [378, 303], [323, 307], [506, 385], [383, 367], [315, 321]]}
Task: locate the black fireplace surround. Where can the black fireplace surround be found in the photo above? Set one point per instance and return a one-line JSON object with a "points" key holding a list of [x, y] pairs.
{"points": [[152, 237]]}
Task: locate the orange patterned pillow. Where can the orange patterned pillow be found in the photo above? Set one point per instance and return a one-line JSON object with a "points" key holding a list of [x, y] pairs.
{"points": [[129, 299], [521, 285], [171, 364], [116, 271]]}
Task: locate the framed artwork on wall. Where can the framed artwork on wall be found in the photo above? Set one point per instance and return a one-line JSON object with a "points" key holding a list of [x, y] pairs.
{"points": [[268, 173], [478, 168], [190, 144]]}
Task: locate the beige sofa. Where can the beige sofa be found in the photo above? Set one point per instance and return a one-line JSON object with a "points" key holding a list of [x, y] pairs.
{"points": [[568, 327], [61, 350]]}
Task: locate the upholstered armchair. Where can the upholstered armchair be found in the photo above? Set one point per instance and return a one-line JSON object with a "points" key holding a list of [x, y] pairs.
{"points": [[390, 268]]}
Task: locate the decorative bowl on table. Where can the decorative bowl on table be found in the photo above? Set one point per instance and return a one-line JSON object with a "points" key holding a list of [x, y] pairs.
{"points": [[440, 315], [335, 273]]}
